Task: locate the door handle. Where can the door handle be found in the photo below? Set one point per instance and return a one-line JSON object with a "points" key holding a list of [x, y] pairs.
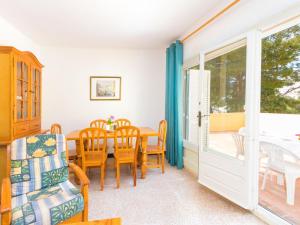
{"points": [[200, 118]]}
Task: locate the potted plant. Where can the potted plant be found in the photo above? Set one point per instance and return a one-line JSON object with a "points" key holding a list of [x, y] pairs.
{"points": [[110, 123]]}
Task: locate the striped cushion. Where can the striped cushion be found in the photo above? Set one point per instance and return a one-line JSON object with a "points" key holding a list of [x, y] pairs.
{"points": [[38, 162], [48, 206]]}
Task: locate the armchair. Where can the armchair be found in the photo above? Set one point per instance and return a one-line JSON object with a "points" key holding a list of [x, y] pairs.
{"points": [[37, 190]]}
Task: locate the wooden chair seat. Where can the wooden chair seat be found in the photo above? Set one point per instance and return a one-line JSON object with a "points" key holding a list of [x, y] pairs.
{"points": [[94, 158], [154, 149], [126, 156]]}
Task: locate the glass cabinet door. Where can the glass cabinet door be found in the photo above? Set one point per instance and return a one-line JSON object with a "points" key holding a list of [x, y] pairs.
{"points": [[35, 91], [22, 90]]}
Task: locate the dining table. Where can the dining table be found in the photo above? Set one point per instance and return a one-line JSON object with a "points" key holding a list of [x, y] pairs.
{"points": [[145, 133]]}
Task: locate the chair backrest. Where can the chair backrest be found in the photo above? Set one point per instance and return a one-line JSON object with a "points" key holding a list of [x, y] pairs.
{"points": [[98, 123], [162, 130], [239, 143], [38, 162], [242, 131], [92, 140], [122, 122], [56, 129], [127, 139]]}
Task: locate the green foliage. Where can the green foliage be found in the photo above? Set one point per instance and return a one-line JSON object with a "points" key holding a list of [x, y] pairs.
{"points": [[280, 51], [280, 76], [228, 74]]}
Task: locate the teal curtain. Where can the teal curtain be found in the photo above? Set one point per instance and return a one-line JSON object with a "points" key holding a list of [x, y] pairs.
{"points": [[173, 108]]}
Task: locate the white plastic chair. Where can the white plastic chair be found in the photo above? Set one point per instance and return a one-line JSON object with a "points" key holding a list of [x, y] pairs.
{"points": [[276, 163], [239, 142]]}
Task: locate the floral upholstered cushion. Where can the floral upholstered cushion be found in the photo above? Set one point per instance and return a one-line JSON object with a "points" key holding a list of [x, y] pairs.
{"points": [[38, 162], [47, 206]]}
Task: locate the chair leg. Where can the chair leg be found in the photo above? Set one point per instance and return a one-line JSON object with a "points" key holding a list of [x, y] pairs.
{"points": [[102, 177], [290, 188], [118, 175], [85, 193], [116, 167], [163, 162], [280, 179], [134, 173], [263, 186], [130, 168], [144, 165]]}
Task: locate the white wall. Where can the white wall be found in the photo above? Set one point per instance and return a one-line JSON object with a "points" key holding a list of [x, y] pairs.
{"points": [[65, 92], [66, 86], [10, 36], [284, 125], [238, 20]]}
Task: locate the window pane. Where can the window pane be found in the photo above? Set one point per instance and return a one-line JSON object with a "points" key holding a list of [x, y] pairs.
{"points": [[185, 104], [33, 111], [280, 88], [19, 110], [25, 110], [25, 72], [19, 89], [190, 104], [193, 106], [279, 172], [19, 70], [227, 102]]}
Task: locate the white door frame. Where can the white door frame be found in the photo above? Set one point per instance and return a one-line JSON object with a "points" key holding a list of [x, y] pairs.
{"points": [[228, 176], [251, 164], [266, 31]]}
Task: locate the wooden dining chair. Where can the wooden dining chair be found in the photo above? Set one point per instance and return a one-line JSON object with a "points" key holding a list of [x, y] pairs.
{"points": [[98, 123], [93, 142], [158, 149], [55, 129], [128, 138], [122, 122]]}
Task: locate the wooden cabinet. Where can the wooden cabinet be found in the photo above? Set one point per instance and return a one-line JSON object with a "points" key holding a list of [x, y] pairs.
{"points": [[20, 98]]}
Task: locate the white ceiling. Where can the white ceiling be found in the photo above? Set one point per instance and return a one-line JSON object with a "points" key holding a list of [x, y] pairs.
{"points": [[105, 23]]}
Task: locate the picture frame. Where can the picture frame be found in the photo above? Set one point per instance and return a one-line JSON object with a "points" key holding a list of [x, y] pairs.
{"points": [[105, 88]]}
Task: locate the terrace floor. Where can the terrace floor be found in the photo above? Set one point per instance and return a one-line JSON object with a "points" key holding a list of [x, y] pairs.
{"points": [[273, 198]]}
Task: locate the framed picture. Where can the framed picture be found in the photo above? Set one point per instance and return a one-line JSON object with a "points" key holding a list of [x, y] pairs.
{"points": [[105, 88]]}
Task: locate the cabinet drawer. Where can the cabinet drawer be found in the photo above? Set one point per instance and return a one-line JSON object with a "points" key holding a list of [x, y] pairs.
{"points": [[21, 129], [35, 125]]}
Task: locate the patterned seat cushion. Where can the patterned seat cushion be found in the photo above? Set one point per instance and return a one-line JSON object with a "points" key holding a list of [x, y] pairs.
{"points": [[48, 206], [38, 162]]}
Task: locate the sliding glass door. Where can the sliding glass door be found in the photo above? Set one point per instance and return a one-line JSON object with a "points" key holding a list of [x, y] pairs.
{"points": [[279, 159], [249, 116]]}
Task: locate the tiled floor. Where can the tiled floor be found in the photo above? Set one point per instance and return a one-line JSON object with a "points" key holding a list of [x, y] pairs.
{"points": [[274, 199], [173, 198]]}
